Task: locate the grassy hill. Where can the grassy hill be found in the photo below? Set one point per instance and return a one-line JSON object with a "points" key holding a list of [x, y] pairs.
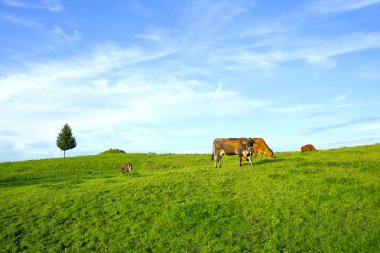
{"points": [[326, 201]]}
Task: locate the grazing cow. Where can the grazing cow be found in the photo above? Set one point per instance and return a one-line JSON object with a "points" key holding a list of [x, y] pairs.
{"points": [[308, 147], [127, 167], [242, 147], [261, 147]]}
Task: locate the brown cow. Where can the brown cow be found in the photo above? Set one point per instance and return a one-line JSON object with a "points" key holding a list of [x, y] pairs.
{"points": [[232, 146], [127, 167], [308, 147], [261, 147]]}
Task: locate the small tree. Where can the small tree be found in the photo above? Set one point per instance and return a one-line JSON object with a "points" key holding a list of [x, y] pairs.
{"points": [[65, 139]]}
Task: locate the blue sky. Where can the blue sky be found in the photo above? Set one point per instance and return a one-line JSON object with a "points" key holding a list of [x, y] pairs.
{"points": [[170, 76]]}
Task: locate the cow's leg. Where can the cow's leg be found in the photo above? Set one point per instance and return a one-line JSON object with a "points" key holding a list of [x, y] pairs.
{"points": [[250, 160], [218, 159], [240, 156], [255, 155], [261, 155]]}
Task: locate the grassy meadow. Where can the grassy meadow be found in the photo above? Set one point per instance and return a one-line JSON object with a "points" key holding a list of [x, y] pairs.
{"points": [[325, 201]]}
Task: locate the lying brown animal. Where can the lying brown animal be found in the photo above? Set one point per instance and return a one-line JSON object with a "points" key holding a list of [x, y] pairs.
{"points": [[127, 167], [308, 147]]}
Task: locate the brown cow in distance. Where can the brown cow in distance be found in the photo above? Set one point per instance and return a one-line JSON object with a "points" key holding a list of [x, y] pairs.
{"points": [[126, 168], [242, 147], [308, 147]]}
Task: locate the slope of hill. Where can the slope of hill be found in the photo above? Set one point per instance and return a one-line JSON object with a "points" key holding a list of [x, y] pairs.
{"points": [[319, 202]]}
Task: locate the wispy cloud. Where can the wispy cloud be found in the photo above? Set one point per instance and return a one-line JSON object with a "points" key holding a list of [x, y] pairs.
{"points": [[348, 44], [103, 58], [212, 63], [327, 6], [371, 126], [158, 35], [15, 3], [353, 141], [297, 108], [137, 7], [110, 88], [321, 51], [51, 5], [357, 121], [62, 37], [370, 74], [342, 97], [263, 43], [191, 132], [21, 21], [218, 14], [319, 114], [329, 108], [50, 39]]}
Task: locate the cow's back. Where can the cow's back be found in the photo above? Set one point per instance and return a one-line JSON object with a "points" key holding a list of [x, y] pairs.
{"points": [[232, 146], [308, 147], [261, 146]]}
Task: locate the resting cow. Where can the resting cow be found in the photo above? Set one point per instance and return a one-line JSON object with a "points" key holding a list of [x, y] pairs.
{"points": [[242, 147], [308, 147]]}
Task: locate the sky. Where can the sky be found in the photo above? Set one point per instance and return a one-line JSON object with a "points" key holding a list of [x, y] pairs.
{"points": [[170, 76]]}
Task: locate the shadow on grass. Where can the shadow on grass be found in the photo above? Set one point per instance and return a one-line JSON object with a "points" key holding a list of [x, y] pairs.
{"points": [[63, 185], [257, 162], [265, 161], [46, 182], [133, 174], [18, 182]]}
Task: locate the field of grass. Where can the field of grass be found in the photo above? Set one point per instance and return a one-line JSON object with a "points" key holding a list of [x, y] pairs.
{"points": [[325, 201]]}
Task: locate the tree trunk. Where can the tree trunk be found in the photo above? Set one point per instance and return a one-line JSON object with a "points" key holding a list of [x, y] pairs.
{"points": [[64, 153]]}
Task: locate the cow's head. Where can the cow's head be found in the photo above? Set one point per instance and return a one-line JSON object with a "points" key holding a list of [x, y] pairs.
{"points": [[248, 143], [270, 154]]}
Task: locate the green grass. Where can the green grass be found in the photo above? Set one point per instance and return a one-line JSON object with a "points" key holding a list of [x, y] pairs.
{"points": [[325, 201]]}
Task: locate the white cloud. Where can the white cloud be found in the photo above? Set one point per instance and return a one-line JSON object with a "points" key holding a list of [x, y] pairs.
{"points": [[320, 52], [15, 3], [328, 6], [370, 74], [137, 7], [347, 124], [353, 141], [342, 97], [219, 15], [344, 45], [375, 126], [21, 21], [66, 74], [65, 38], [297, 108], [185, 72], [160, 36], [191, 132], [51, 5], [119, 89]]}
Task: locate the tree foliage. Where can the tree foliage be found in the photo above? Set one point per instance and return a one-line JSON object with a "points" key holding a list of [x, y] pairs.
{"points": [[112, 151], [65, 139]]}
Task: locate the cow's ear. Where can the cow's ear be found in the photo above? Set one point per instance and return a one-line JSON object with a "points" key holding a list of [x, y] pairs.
{"points": [[244, 142]]}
